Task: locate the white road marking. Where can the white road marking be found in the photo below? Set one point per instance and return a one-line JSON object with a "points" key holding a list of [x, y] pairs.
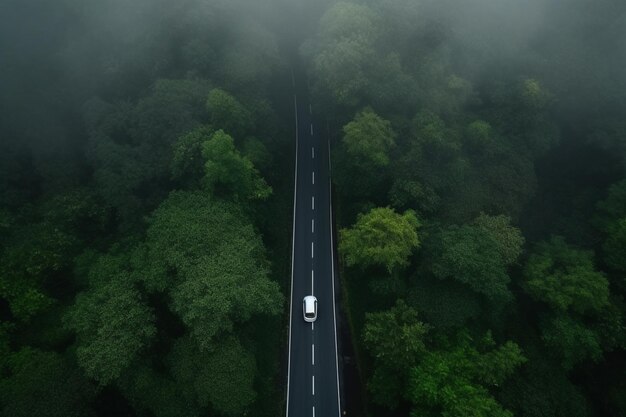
{"points": [[293, 244], [312, 326], [313, 354], [311, 250], [313, 411], [312, 152], [312, 225], [313, 177], [332, 268], [312, 281], [313, 384], [311, 129], [313, 203]]}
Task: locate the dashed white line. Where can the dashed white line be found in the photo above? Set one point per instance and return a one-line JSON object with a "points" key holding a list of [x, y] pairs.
{"points": [[313, 384], [311, 129], [313, 177], [312, 281], [313, 203], [313, 411], [312, 152], [312, 225], [311, 250], [313, 354]]}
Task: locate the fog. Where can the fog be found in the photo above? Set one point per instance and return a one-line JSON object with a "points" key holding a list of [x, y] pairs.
{"points": [[497, 127]]}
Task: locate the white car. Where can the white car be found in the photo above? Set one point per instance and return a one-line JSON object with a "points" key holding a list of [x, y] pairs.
{"points": [[309, 308]]}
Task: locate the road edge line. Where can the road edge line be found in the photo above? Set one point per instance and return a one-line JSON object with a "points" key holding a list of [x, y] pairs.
{"points": [[293, 247], [332, 265]]}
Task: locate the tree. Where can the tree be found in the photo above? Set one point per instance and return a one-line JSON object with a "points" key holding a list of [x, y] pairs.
{"points": [[222, 377], [565, 278], [188, 162], [342, 60], [206, 256], [228, 286], [479, 134], [227, 173], [113, 324], [611, 219], [395, 339], [478, 255], [38, 250], [509, 239], [455, 381], [542, 389], [39, 383], [368, 140], [381, 237], [570, 340], [226, 113]]}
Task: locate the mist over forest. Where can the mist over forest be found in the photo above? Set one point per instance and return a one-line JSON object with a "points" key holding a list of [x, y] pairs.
{"points": [[146, 187]]}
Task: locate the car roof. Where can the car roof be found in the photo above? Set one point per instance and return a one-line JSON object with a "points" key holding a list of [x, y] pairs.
{"points": [[309, 302]]}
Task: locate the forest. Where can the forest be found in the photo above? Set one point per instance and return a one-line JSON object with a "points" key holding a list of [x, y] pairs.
{"points": [[479, 187]]}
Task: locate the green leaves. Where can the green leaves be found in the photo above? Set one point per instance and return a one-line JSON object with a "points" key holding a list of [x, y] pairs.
{"points": [[227, 173], [454, 381], [565, 277], [570, 340], [207, 256], [395, 339], [368, 140], [381, 237], [478, 255], [44, 384], [225, 288], [112, 324], [222, 377], [226, 113]]}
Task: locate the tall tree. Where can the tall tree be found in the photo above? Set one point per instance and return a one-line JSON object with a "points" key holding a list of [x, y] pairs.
{"points": [[381, 237]]}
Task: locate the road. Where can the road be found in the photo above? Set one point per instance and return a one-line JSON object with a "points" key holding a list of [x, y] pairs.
{"points": [[313, 373]]}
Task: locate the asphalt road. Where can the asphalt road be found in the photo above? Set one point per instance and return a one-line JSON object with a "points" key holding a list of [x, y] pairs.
{"points": [[313, 376]]}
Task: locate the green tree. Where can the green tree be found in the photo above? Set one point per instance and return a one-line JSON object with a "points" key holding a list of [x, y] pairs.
{"points": [[455, 381], [509, 239], [222, 377], [229, 173], [206, 256], [565, 277], [38, 250], [38, 383], [381, 237], [395, 339], [113, 324], [478, 255], [611, 219], [228, 286], [188, 162], [342, 60], [570, 340], [368, 140], [226, 113]]}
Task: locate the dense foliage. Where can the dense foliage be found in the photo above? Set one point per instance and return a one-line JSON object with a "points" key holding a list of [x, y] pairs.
{"points": [[479, 171], [140, 271], [497, 128]]}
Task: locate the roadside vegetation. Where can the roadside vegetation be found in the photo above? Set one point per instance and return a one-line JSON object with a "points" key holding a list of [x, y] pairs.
{"points": [[478, 164], [479, 177]]}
